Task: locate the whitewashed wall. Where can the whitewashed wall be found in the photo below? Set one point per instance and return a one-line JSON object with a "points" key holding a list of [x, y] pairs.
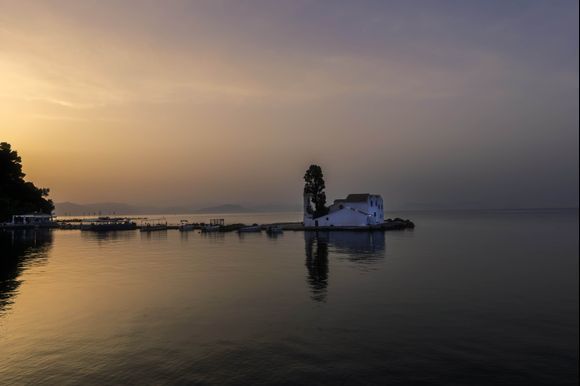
{"points": [[352, 214]]}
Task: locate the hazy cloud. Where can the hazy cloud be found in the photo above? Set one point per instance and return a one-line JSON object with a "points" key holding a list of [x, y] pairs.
{"points": [[431, 103]]}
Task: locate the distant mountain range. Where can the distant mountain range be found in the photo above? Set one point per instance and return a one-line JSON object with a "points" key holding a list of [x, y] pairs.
{"points": [[226, 208], [74, 209], [108, 208]]}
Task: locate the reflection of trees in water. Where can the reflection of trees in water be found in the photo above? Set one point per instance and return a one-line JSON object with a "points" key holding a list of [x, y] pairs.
{"points": [[19, 250], [317, 264], [358, 247]]}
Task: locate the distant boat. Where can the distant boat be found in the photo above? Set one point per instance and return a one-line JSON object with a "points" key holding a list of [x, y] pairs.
{"points": [[186, 226], [215, 225], [153, 228], [253, 228], [210, 228], [274, 229], [152, 225], [30, 221], [103, 224]]}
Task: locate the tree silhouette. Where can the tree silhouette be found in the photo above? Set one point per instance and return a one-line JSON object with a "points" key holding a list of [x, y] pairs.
{"points": [[314, 185], [18, 196]]}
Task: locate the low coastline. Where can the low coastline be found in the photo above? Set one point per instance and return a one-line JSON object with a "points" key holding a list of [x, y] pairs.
{"points": [[387, 225]]}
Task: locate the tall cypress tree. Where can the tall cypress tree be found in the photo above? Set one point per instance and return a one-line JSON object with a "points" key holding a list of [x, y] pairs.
{"points": [[314, 185]]}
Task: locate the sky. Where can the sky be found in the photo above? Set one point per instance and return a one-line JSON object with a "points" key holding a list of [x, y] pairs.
{"points": [[432, 104]]}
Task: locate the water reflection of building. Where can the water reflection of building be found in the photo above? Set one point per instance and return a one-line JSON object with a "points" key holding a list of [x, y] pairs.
{"points": [[361, 247], [19, 250], [358, 247]]}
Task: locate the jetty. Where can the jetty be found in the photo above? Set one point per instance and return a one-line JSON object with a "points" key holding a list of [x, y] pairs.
{"points": [[104, 224], [153, 225]]}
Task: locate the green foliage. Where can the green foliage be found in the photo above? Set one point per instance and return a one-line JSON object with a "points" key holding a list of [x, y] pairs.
{"points": [[314, 185], [18, 196]]}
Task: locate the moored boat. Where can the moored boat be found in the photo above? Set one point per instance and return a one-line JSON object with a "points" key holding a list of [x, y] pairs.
{"points": [[186, 226], [210, 228], [102, 224], [30, 221], [152, 225], [274, 229], [215, 225]]}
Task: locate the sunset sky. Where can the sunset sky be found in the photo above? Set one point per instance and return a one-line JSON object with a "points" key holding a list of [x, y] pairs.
{"points": [[433, 104]]}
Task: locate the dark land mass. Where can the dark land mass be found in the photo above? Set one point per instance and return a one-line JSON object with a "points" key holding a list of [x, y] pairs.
{"points": [[17, 195]]}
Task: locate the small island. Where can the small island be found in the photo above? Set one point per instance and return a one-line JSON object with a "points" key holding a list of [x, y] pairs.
{"points": [[359, 211]]}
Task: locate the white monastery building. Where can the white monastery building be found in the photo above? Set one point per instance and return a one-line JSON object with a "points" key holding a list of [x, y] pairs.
{"points": [[356, 210]]}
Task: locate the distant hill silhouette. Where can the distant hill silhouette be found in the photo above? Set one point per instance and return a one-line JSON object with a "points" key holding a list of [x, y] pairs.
{"points": [[73, 209], [226, 208]]}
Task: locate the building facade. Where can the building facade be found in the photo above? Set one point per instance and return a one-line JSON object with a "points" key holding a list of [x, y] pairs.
{"points": [[356, 210]]}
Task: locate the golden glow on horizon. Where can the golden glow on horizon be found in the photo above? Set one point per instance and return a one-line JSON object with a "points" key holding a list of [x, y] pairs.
{"points": [[172, 104]]}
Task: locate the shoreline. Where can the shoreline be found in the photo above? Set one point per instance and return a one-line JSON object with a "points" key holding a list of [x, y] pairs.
{"points": [[389, 224]]}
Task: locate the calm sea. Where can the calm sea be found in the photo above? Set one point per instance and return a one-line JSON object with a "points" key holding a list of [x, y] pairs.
{"points": [[466, 298]]}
